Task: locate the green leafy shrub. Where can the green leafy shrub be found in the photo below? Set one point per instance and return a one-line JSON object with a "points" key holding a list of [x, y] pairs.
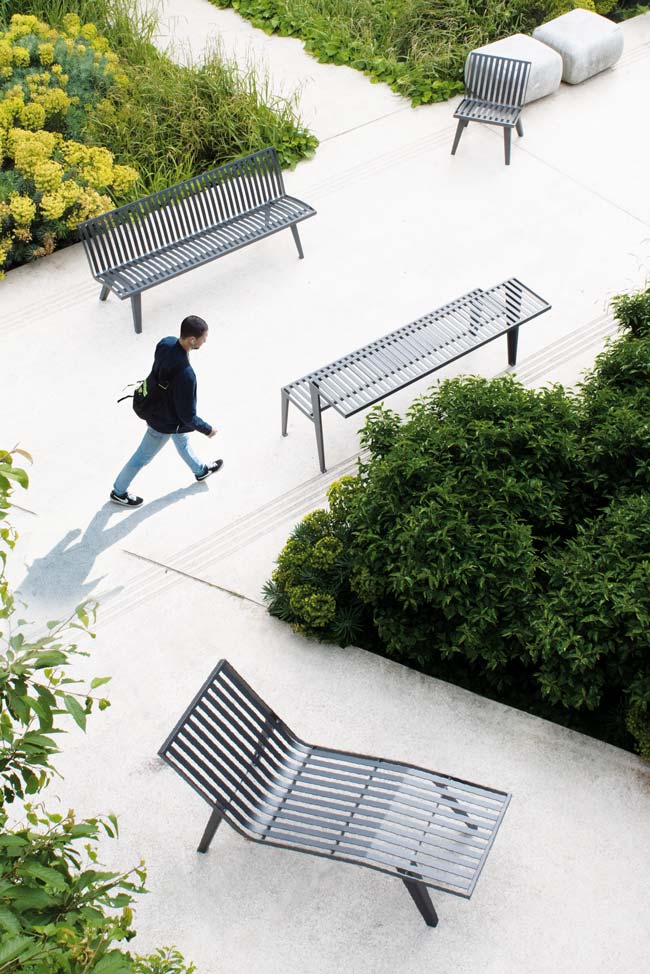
{"points": [[61, 912], [499, 537], [416, 47], [310, 588], [591, 630]]}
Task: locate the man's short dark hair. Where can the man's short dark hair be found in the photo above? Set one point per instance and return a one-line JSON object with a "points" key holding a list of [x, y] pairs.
{"points": [[193, 327]]}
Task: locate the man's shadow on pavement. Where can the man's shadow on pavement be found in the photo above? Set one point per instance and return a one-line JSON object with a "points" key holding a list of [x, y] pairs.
{"points": [[61, 577]]}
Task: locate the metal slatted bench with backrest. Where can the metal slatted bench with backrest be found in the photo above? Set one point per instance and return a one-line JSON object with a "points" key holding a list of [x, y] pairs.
{"points": [[137, 246], [495, 89], [427, 829], [367, 376]]}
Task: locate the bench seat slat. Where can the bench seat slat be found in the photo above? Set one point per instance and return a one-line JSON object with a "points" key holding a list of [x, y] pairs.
{"points": [[145, 272]]}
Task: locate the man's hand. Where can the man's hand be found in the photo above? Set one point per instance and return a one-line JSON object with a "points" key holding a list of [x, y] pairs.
{"points": [[212, 433]]}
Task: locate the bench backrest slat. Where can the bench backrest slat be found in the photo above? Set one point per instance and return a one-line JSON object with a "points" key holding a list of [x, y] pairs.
{"points": [[498, 80], [181, 211]]}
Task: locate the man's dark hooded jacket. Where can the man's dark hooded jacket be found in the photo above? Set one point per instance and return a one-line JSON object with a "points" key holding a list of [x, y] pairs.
{"points": [[175, 412]]}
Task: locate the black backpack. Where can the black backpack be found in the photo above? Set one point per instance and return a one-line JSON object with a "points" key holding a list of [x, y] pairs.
{"points": [[149, 393]]}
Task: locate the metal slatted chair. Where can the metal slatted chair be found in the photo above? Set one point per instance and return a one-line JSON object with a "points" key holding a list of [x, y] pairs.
{"points": [[494, 93], [425, 828], [373, 372], [137, 246]]}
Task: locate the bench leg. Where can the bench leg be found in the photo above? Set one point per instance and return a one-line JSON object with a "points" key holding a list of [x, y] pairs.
{"points": [[422, 900], [462, 124], [507, 138], [136, 308], [520, 128], [105, 291], [294, 231], [513, 338], [285, 412], [210, 829], [318, 424]]}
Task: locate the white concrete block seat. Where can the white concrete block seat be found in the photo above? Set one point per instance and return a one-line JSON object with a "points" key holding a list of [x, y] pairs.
{"points": [[586, 42], [545, 63]]}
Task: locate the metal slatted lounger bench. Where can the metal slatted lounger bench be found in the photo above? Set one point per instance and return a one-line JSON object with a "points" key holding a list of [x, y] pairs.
{"points": [[495, 90], [135, 247], [384, 366], [425, 828]]}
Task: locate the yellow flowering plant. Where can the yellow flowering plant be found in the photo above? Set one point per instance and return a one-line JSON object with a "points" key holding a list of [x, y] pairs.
{"points": [[50, 181], [48, 186], [56, 75]]}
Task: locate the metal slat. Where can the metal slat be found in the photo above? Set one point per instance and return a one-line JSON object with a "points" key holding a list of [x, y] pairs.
{"points": [[235, 751]]}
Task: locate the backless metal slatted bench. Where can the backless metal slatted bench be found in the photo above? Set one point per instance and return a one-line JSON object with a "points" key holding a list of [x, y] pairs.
{"points": [[425, 828], [142, 244], [495, 90], [390, 363]]}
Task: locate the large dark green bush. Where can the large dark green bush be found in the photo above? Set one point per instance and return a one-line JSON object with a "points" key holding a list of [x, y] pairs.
{"points": [[500, 537]]}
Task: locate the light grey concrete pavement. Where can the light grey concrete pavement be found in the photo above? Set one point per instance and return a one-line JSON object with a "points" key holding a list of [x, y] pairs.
{"points": [[401, 228]]}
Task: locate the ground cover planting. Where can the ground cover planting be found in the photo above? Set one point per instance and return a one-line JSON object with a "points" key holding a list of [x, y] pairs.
{"points": [[417, 47], [498, 537], [93, 115]]}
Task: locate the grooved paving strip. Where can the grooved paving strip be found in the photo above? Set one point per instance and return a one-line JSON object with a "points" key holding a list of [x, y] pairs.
{"points": [[274, 788]]}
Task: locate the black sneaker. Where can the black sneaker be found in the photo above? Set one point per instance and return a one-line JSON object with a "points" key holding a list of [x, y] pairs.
{"points": [[210, 469], [126, 500]]}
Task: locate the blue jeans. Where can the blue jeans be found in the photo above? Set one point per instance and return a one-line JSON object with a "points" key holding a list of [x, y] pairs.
{"points": [[152, 443]]}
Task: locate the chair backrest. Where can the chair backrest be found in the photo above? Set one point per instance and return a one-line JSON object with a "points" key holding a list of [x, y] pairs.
{"points": [[182, 211], [229, 744], [498, 80]]}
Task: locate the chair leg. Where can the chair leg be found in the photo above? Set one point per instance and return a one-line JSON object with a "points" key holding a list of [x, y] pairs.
{"points": [[294, 230], [520, 128], [462, 124], [507, 137], [105, 291], [422, 900], [210, 829], [136, 308], [285, 412]]}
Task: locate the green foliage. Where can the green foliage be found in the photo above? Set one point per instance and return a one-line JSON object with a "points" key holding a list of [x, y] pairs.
{"points": [[310, 588], [61, 912], [633, 312], [173, 120], [591, 631], [500, 537], [416, 47]]}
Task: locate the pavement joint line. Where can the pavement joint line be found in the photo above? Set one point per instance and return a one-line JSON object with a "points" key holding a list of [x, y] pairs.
{"points": [[577, 182], [194, 578], [363, 125], [310, 495], [150, 578]]}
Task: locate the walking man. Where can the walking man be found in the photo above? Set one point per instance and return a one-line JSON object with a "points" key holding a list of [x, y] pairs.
{"points": [[174, 415]]}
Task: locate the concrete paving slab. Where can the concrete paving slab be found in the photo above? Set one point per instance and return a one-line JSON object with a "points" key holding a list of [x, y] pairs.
{"points": [[565, 886]]}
